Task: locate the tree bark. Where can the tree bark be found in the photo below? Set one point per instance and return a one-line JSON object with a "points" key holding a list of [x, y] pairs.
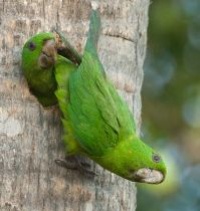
{"points": [[31, 136]]}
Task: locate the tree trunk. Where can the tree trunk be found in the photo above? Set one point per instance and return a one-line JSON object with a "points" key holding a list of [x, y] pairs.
{"points": [[31, 136]]}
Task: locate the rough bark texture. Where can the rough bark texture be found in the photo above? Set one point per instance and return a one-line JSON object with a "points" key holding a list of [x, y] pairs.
{"points": [[30, 136]]}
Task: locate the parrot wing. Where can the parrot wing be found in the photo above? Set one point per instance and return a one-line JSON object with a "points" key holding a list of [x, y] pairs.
{"points": [[99, 117]]}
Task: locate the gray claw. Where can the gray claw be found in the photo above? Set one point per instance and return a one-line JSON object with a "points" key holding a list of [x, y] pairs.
{"points": [[76, 163]]}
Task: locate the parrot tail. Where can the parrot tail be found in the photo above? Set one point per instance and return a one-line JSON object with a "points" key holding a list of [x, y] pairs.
{"points": [[94, 31]]}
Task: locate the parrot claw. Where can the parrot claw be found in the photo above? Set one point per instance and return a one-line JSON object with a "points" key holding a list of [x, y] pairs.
{"points": [[66, 163], [76, 163], [65, 49]]}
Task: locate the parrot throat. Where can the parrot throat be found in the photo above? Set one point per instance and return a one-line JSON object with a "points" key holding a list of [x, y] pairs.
{"points": [[119, 159], [126, 161], [43, 85]]}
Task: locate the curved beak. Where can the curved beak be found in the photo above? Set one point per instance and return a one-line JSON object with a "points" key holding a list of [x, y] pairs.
{"points": [[146, 175], [48, 55]]}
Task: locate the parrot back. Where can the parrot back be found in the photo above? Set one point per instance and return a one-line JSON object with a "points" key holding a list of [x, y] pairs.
{"points": [[98, 115]]}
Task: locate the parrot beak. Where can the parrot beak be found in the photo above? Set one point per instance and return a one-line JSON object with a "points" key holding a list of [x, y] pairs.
{"points": [[146, 175], [48, 55]]}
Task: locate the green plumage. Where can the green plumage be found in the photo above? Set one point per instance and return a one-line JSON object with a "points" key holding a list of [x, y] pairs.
{"points": [[41, 83], [97, 121]]}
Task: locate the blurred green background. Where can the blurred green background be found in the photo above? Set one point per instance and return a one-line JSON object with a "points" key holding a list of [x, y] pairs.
{"points": [[171, 104]]}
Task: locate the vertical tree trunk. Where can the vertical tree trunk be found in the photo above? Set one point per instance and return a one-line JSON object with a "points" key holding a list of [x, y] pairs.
{"points": [[30, 136]]}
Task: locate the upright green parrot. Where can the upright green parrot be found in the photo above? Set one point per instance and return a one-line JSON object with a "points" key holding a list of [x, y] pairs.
{"points": [[97, 122]]}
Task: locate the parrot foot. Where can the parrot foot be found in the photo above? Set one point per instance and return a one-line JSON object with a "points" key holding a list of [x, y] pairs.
{"points": [[65, 49], [76, 163]]}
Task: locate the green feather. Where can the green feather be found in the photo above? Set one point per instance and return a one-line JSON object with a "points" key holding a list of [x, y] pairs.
{"points": [[41, 82], [97, 121], [64, 68], [100, 121]]}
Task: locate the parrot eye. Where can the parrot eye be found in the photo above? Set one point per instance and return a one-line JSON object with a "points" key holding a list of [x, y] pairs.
{"points": [[156, 158], [31, 46]]}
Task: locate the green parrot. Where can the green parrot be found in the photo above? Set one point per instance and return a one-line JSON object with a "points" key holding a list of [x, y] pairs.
{"points": [[97, 121]]}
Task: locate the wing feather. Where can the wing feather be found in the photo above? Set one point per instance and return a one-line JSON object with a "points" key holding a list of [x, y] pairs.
{"points": [[97, 112]]}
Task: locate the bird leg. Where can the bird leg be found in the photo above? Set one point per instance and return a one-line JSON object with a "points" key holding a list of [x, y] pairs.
{"points": [[65, 49], [76, 163]]}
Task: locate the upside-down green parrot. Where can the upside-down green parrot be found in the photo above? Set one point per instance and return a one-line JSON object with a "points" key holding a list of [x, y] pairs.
{"points": [[97, 121]]}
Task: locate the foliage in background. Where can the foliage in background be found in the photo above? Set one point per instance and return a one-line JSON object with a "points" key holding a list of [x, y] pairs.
{"points": [[171, 103]]}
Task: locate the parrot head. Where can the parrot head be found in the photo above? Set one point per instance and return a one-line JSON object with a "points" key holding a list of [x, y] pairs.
{"points": [[135, 161], [38, 59], [149, 168]]}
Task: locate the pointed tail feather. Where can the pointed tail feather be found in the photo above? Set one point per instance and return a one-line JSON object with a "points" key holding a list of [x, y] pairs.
{"points": [[94, 31]]}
